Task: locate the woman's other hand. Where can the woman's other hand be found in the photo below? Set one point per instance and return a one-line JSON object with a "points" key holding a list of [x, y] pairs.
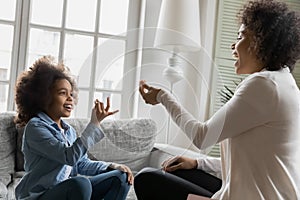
{"points": [[148, 93], [179, 162], [99, 112]]}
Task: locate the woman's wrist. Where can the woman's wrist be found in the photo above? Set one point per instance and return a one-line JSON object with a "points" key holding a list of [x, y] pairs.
{"points": [[195, 164]]}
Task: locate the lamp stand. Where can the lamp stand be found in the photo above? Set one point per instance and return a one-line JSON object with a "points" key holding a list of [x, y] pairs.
{"points": [[172, 74]]}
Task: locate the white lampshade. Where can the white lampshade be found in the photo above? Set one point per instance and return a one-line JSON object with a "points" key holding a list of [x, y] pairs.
{"points": [[179, 26]]}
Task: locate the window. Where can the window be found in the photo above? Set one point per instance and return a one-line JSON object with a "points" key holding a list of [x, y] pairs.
{"points": [[7, 24], [90, 36], [226, 35]]}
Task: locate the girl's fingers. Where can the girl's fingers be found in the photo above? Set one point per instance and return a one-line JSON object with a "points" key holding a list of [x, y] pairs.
{"points": [[98, 106], [107, 104], [96, 103], [130, 175], [113, 112], [130, 178], [101, 107]]}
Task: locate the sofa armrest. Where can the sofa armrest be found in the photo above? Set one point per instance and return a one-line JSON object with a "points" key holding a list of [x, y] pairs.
{"points": [[161, 152]]}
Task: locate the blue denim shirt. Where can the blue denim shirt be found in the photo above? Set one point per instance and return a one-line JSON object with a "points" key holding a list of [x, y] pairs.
{"points": [[47, 155]]}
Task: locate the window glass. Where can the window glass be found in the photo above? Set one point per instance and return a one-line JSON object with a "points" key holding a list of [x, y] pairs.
{"points": [[81, 109], [3, 95], [8, 9], [68, 30], [47, 12], [113, 19], [6, 41], [41, 43], [81, 14], [115, 102], [78, 57], [110, 63]]}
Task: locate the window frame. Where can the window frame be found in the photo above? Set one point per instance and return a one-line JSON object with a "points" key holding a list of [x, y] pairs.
{"points": [[20, 52]]}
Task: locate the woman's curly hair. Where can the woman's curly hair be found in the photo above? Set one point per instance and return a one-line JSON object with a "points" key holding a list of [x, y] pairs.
{"points": [[276, 31], [33, 87]]}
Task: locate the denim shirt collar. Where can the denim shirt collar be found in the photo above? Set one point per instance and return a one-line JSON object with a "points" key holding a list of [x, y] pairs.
{"points": [[43, 116]]}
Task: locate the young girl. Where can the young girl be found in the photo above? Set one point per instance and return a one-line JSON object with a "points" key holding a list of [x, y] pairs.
{"points": [[54, 156]]}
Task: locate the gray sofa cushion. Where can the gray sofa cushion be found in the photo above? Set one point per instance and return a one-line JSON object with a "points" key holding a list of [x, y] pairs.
{"points": [[3, 191], [7, 146], [127, 141]]}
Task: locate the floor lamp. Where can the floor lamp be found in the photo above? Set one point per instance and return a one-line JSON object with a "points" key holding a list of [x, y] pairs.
{"points": [[178, 31]]}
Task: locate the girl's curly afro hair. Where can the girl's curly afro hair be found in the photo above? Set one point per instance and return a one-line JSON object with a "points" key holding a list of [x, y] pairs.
{"points": [[33, 87], [276, 31]]}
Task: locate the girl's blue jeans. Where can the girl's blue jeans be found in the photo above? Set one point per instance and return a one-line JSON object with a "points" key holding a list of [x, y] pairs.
{"points": [[111, 185]]}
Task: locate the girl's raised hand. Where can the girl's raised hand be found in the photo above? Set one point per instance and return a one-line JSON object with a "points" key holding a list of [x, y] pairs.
{"points": [[99, 112]]}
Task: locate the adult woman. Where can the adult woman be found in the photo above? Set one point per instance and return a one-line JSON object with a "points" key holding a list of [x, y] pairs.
{"points": [[53, 154], [259, 127]]}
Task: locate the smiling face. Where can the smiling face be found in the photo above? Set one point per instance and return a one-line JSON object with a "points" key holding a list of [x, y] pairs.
{"points": [[245, 55], [61, 103]]}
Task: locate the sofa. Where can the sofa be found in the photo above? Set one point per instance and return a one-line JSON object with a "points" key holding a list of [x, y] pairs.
{"points": [[127, 141]]}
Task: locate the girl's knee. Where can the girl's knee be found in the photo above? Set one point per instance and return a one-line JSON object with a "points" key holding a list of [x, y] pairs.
{"points": [[122, 179], [121, 176], [120, 182]]}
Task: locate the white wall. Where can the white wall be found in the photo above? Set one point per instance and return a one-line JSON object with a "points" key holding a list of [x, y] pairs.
{"points": [[192, 92]]}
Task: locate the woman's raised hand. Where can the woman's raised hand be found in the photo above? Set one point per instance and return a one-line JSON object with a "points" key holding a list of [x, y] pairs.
{"points": [[148, 93]]}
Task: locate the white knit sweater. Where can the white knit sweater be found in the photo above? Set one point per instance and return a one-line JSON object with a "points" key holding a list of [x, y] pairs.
{"points": [[259, 131]]}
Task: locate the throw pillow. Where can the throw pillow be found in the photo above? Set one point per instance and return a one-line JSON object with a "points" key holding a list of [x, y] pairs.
{"points": [[127, 141]]}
